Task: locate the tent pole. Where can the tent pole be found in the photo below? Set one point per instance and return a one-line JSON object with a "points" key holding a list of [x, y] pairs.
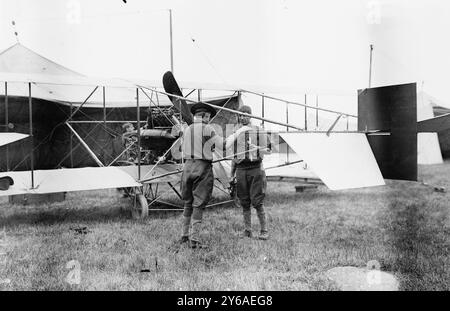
{"points": [[6, 124], [182, 152], [370, 66], [306, 114], [104, 117], [30, 116], [138, 114], [287, 129], [71, 139], [317, 111], [171, 41], [104, 108], [262, 109]]}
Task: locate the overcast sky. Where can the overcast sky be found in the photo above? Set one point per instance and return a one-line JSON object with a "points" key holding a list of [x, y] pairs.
{"points": [[321, 44]]}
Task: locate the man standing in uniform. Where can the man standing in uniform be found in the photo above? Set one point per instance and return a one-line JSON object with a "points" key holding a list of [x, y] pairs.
{"points": [[197, 180], [250, 144]]}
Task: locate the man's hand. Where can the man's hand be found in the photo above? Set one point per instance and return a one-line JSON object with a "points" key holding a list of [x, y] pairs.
{"points": [[262, 150], [178, 129], [265, 151]]}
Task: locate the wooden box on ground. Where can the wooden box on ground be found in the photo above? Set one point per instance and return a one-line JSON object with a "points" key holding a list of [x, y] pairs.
{"points": [[303, 187], [25, 199]]}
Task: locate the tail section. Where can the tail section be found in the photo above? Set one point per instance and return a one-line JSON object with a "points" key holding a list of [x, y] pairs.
{"points": [[390, 113]]}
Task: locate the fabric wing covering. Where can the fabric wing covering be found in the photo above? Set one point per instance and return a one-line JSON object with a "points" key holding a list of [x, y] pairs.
{"points": [[149, 171], [7, 138], [341, 160], [65, 180], [163, 173]]}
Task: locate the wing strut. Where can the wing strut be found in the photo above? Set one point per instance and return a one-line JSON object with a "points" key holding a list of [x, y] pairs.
{"points": [[86, 146]]}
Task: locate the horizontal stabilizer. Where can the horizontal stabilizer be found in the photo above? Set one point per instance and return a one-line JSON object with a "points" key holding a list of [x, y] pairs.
{"points": [[434, 125], [65, 180], [341, 160], [7, 138]]}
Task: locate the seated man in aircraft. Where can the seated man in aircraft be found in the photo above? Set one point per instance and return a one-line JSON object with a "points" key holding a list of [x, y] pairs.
{"points": [[149, 121], [250, 144], [129, 142], [197, 180]]}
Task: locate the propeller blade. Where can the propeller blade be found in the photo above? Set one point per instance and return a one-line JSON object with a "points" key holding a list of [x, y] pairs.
{"points": [[171, 87]]}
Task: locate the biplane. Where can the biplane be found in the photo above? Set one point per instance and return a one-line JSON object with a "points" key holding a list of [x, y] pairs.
{"points": [[54, 142]]}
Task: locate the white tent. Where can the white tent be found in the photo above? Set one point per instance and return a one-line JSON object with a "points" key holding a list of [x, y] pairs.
{"points": [[428, 149], [20, 65], [51, 81]]}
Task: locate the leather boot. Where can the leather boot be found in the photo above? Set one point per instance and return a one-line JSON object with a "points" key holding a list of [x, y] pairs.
{"points": [[262, 222], [195, 235], [186, 225], [195, 230], [247, 213]]}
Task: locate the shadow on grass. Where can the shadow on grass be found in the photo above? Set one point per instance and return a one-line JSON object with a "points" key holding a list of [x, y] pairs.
{"points": [[87, 212], [37, 216], [420, 246]]}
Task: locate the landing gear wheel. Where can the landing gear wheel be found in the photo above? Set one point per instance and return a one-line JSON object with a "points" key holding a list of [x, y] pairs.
{"points": [[140, 207]]}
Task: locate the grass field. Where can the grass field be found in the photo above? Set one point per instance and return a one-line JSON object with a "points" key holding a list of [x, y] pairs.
{"points": [[405, 226]]}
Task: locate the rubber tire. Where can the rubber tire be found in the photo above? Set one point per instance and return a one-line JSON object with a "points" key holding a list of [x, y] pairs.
{"points": [[141, 209]]}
